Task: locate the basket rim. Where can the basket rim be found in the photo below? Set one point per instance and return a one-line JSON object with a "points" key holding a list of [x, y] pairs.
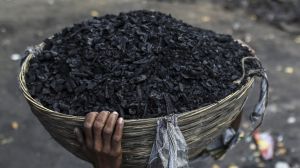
{"points": [[27, 95]]}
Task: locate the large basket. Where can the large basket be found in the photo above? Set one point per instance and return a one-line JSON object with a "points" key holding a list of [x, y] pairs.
{"points": [[199, 126]]}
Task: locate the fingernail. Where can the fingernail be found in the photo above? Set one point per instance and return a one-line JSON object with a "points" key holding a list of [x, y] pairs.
{"points": [[115, 113], [120, 120]]}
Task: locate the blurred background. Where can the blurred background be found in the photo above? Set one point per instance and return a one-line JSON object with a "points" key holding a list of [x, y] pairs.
{"points": [[271, 27]]}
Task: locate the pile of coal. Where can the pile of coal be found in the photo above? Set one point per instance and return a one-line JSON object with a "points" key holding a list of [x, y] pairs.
{"points": [[141, 64]]}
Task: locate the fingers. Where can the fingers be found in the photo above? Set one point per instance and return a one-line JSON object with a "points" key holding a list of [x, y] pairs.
{"points": [[108, 131], [117, 137], [102, 133], [99, 124], [88, 129]]}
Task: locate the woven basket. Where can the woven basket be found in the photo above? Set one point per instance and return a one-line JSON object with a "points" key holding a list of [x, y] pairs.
{"points": [[199, 126]]}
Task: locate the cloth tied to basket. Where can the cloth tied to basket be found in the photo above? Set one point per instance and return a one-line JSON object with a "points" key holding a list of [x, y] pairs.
{"points": [[169, 148]]}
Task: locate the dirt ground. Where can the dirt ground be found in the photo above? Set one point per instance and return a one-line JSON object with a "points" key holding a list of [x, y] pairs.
{"points": [[25, 143]]}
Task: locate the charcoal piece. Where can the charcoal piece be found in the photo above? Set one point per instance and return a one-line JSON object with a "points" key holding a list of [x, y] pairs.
{"points": [[121, 111], [139, 91], [132, 111], [53, 84], [174, 98], [48, 44], [138, 79], [181, 87], [169, 105], [144, 60], [168, 84], [159, 111], [56, 106], [64, 106], [107, 96], [33, 91], [145, 110], [45, 91], [69, 87], [79, 74], [91, 85], [124, 103], [155, 95], [71, 112], [119, 95], [42, 77], [38, 87], [141, 63]]}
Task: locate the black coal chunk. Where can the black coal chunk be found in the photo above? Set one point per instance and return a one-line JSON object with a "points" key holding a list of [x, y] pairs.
{"points": [[142, 64]]}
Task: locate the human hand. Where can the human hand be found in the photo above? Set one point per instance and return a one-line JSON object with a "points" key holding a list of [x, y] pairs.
{"points": [[101, 139]]}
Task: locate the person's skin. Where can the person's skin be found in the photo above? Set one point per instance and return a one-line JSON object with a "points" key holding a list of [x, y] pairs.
{"points": [[101, 139]]}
